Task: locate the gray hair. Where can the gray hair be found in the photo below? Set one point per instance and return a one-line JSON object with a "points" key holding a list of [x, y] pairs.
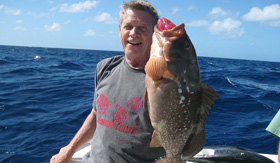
{"points": [[139, 5]]}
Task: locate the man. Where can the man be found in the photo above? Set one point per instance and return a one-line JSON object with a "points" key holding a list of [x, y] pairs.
{"points": [[274, 129], [118, 124]]}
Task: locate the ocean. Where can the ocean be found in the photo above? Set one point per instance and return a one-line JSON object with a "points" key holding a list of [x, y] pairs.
{"points": [[46, 94]]}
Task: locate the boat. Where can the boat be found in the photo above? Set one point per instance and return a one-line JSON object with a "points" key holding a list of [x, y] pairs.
{"points": [[209, 154]]}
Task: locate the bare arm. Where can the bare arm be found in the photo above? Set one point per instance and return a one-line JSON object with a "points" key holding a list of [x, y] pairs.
{"points": [[279, 151], [82, 137]]}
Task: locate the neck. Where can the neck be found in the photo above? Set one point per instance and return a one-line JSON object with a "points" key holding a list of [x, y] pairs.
{"points": [[136, 64]]}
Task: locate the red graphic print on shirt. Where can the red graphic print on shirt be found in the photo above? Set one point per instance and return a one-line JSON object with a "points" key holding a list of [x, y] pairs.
{"points": [[123, 118], [103, 104], [120, 115], [135, 104]]}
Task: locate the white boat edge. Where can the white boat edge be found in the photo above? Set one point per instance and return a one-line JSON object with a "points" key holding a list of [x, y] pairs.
{"points": [[271, 156], [77, 157]]}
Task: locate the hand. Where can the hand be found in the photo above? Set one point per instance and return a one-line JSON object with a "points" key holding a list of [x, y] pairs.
{"points": [[62, 157]]}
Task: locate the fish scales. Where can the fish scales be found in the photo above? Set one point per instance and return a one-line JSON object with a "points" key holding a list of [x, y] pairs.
{"points": [[177, 100]]}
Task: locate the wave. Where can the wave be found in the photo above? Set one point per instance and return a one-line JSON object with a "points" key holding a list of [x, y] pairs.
{"points": [[44, 102], [228, 80]]}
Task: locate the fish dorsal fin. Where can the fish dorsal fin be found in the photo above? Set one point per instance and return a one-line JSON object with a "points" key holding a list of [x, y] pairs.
{"points": [[155, 67], [197, 139], [155, 140], [209, 97]]}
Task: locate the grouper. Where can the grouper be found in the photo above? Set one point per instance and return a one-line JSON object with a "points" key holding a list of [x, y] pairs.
{"points": [[177, 100]]}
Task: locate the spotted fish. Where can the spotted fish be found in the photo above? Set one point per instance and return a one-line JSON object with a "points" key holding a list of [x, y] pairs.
{"points": [[178, 101]]}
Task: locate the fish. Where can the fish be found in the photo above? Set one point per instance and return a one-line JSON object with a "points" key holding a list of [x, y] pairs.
{"points": [[177, 100]]}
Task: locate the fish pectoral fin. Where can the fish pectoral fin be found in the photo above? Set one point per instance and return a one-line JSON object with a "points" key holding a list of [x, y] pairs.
{"points": [[155, 140], [155, 67], [168, 75], [209, 97]]}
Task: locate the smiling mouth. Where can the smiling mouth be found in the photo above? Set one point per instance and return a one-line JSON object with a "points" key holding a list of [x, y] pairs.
{"points": [[134, 43]]}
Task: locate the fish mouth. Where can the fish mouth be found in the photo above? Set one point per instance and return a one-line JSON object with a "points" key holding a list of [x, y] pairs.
{"points": [[165, 33], [165, 24], [168, 30]]}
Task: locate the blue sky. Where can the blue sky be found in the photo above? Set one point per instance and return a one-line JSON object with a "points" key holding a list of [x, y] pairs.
{"points": [[241, 29]]}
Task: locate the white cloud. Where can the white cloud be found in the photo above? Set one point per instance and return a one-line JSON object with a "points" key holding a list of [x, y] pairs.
{"points": [[89, 33], [53, 9], [51, 2], [227, 29], [174, 11], [67, 22], [267, 13], [197, 23], [106, 17], [78, 7], [19, 21], [113, 32], [219, 13], [275, 23], [19, 28], [54, 27], [11, 11], [40, 15], [191, 7], [222, 24], [170, 12]]}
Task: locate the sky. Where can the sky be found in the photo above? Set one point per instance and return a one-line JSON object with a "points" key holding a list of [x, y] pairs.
{"points": [[238, 29]]}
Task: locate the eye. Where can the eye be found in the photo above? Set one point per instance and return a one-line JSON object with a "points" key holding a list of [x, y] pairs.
{"points": [[143, 28], [127, 27], [188, 46]]}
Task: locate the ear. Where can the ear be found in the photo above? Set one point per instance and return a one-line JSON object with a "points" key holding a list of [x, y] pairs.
{"points": [[119, 30]]}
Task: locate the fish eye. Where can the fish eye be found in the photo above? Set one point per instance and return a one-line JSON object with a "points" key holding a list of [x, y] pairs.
{"points": [[188, 46]]}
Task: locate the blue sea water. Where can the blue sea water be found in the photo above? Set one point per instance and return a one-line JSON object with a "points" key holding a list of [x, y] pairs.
{"points": [[45, 99]]}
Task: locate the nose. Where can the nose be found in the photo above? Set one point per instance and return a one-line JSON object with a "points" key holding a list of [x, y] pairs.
{"points": [[134, 32]]}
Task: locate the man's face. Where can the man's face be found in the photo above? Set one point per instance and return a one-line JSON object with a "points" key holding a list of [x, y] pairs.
{"points": [[135, 33]]}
